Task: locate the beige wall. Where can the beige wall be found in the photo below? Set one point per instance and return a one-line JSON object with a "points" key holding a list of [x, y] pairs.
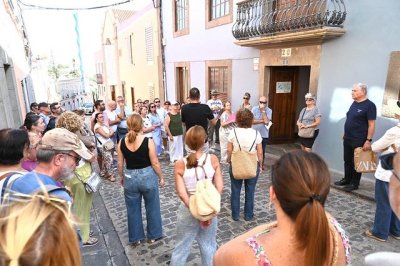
{"points": [[300, 56], [143, 76]]}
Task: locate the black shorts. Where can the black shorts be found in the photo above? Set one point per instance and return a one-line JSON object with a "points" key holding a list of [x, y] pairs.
{"points": [[309, 142]]}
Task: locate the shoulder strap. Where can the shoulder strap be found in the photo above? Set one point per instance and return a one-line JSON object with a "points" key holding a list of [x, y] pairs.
{"points": [[5, 183], [202, 167], [254, 141], [98, 139], [304, 111], [234, 131], [52, 188]]}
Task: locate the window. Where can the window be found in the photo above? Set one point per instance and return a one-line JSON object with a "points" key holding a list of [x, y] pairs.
{"points": [[148, 32], [219, 77], [218, 12], [181, 17]]}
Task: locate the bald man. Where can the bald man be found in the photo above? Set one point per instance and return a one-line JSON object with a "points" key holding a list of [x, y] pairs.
{"points": [[114, 120]]}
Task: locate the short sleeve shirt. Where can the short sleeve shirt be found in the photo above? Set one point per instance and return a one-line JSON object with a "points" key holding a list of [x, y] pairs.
{"points": [[30, 183], [356, 125], [258, 115], [216, 106], [307, 117], [127, 112], [196, 114], [246, 137]]}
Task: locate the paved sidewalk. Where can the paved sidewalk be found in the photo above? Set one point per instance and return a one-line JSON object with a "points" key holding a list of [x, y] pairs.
{"points": [[354, 213]]}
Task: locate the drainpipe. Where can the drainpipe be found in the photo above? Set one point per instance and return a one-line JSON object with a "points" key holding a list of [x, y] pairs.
{"points": [[158, 4]]}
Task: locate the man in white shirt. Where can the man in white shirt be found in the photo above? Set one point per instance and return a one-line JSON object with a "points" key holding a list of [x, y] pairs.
{"points": [[216, 107], [113, 119], [162, 113], [122, 113]]}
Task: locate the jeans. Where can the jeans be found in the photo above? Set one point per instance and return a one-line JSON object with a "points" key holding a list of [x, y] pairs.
{"points": [[249, 189], [188, 229], [140, 183], [121, 132], [386, 221], [350, 175], [264, 145]]}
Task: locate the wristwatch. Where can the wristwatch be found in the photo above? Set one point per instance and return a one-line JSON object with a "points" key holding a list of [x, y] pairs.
{"points": [[370, 140]]}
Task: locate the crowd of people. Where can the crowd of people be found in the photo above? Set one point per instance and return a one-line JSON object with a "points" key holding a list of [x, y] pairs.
{"points": [[51, 158]]}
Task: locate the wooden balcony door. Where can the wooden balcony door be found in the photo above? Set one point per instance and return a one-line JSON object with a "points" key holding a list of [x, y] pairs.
{"points": [[283, 89]]}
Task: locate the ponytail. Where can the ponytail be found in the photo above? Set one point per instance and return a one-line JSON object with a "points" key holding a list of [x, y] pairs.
{"points": [[191, 161], [313, 233], [131, 136]]}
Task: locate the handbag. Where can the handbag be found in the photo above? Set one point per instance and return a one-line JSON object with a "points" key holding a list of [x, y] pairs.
{"points": [[205, 203], [364, 161], [92, 184], [306, 133], [108, 145], [244, 163]]}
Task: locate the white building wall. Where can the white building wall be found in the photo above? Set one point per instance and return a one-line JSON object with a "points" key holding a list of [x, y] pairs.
{"points": [[203, 44], [361, 55]]}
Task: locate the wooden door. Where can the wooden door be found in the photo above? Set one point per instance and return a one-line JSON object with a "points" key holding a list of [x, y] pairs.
{"points": [[283, 88]]}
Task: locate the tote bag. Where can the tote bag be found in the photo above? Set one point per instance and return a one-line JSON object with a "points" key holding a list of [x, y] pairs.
{"points": [[244, 163], [364, 161]]}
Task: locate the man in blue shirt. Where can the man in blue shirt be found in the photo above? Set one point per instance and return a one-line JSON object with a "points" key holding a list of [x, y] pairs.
{"points": [[58, 154], [262, 116], [122, 113], [359, 130]]}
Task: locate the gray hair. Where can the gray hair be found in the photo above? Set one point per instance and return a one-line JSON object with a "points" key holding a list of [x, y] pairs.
{"points": [[46, 156], [363, 87], [310, 96]]}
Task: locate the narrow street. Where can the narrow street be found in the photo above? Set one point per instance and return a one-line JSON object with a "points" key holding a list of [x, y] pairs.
{"points": [[354, 213]]}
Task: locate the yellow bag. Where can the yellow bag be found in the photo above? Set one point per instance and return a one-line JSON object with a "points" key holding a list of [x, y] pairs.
{"points": [[244, 163], [365, 161], [205, 203]]}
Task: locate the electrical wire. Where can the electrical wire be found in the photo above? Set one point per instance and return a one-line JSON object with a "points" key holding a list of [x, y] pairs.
{"points": [[72, 8]]}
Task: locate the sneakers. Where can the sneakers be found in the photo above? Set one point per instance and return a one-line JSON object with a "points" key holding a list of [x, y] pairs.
{"points": [[395, 237], [135, 244], [369, 234], [92, 241], [350, 188]]}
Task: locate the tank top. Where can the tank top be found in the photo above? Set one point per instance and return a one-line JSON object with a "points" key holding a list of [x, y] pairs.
{"points": [[175, 125], [189, 176], [136, 159]]}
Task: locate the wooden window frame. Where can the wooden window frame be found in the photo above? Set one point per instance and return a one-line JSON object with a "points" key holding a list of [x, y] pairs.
{"points": [[186, 30], [211, 23], [219, 63], [182, 65]]}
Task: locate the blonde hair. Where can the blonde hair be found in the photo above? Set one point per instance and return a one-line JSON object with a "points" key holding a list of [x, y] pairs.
{"points": [[70, 121], [135, 125], [38, 230]]}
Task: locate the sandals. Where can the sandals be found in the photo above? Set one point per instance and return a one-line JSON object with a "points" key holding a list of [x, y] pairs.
{"points": [[92, 241], [110, 178]]}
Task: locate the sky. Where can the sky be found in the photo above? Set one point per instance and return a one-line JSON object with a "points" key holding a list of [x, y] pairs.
{"points": [[52, 32]]}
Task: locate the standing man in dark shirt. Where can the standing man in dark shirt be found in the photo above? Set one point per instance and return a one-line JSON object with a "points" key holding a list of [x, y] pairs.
{"points": [[359, 130], [196, 113]]}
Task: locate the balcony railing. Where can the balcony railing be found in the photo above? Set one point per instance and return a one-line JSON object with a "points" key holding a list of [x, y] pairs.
{"points": [[259, 18]]}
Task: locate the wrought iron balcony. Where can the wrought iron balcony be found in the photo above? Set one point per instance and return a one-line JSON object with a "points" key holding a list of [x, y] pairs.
{"points": [[263, 18]]}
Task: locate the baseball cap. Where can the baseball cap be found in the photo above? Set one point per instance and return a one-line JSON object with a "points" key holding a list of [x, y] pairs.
{"points": [[214, 92], [174, 102], [60, 139]]}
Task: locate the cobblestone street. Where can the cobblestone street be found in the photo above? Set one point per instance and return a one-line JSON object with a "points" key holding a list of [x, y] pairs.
{"points": [[354, 213]]}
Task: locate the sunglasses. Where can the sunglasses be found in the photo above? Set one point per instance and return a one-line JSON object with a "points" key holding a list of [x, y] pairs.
{"points": [[309, 99], [245, 98], [263, 102], [77, 158], [152, 106], [157, 101]]}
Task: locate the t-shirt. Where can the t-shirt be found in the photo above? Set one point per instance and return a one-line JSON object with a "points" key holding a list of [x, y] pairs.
{"points": [[257, 116], [356, 125], [216, 106], [111, 115], [307, 117], [246, 137], [127, 112], [30, 183], [196, 114]]}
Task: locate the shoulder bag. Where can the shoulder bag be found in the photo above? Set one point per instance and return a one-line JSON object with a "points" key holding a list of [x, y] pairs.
{"points": [[92, 184], [306, 133], [205, 203], [244, 163], [364, 161], [108, 145]]}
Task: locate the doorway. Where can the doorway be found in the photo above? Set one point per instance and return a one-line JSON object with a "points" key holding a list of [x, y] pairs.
{"points": [[286, 89], [182, 80]]}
